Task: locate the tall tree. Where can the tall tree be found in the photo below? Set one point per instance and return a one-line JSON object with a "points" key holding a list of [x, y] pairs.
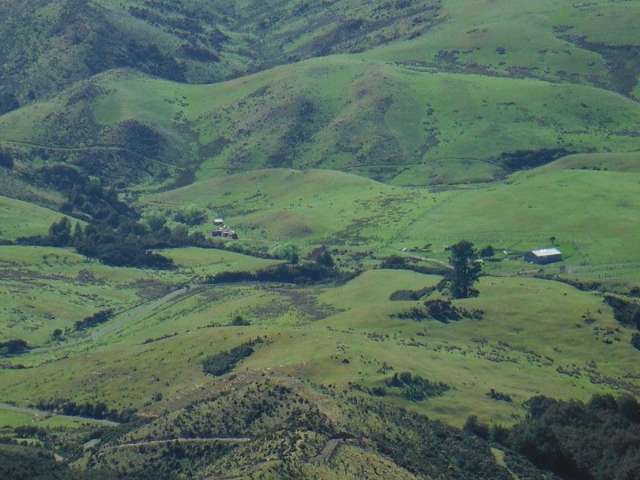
{"points": [[60, 233], [466, 269]]}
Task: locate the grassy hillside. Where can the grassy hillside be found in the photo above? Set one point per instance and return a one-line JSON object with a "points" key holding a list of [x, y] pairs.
{"points": [[523, 212], [373, 129], [277, 427], [22, 219], [50, 44], [535, 336], [558, 41], [342, 113]]}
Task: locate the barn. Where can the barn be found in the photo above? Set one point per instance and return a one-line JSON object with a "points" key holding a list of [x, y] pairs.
{"points": [[544, 256]]}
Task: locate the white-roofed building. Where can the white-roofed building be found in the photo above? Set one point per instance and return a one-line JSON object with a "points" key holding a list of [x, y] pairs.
{"points": [[544, 256]]}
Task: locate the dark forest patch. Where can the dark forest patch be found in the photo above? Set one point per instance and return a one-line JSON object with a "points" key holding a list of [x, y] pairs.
{"points": [[527, 159], [223, 362]]}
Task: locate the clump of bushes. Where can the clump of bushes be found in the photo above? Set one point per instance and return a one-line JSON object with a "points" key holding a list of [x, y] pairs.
{"points": [[14, 347], [99, 410], [93, 320], [626, 312], [416, 388], [223, 362], [526, 159], [6, 160], [191, 216], [441, 310], [239, 321], [303, 273], [397, 262], [596, 440], [502, 397], [411, 295]]}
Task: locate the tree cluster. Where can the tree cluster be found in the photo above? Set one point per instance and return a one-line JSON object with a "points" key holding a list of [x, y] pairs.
{"points": [[597, 440], [224, 362], [6, 159], [627, 313], [14, 347], [93, 320], [416, 388], [99, 410]]}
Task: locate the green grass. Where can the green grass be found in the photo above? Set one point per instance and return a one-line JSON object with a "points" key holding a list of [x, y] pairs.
{"points": [[44, 289], [524, 212], [346, 113], [203, 262], [618, 162], [282, 206], [23, 219], [532, 340], [11, 418]]}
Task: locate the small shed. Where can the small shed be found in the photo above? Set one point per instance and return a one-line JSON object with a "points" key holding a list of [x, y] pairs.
{"points": [[218, 222], [225, 233], [544, 256]]}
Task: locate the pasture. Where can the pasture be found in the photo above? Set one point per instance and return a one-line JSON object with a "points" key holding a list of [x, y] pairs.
{"points": [[536, 336]]}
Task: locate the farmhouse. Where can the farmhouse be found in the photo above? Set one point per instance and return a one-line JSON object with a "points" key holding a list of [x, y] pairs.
{"points": [[225, 233], [544, 256]]}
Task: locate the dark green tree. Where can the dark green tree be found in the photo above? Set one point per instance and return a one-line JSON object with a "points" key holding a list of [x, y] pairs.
{"points": [[60, 233], [466, 269], [6, 160], [487, 252]]}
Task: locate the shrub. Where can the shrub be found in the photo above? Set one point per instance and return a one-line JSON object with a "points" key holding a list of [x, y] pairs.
{"points": [[14, 347], [626, 312], [6, 160], [239, 321], [224, 362], [503, 397], [487, 252], [416, 388], [599, 440], [473, 426], [442, 310], [411, 295], [191, 216], [94, 320]]}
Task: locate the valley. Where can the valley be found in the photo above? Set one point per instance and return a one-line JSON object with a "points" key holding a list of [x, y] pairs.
{"points": [[229, 235]]}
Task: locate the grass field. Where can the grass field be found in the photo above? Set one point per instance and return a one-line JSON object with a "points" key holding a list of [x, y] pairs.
{"points": [[373, 128], [22, 219], [533, 339], [404, 126], [48, 288], [523, 212]]}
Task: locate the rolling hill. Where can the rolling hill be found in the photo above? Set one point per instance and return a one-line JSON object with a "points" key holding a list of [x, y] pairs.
{"points": [[343, 113], [349, 144]]}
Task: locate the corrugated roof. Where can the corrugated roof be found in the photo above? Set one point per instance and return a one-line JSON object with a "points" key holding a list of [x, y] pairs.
{"points": [[546, 252]]}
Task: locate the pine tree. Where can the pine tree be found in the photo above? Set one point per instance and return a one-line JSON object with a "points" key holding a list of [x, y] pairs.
{"points": [[466, 269]]}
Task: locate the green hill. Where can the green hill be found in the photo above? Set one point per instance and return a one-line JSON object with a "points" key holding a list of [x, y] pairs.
{"points": [[314, 207], [431, 93], [23, 219], [343, 113], [49, 44], [349, 144]]}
